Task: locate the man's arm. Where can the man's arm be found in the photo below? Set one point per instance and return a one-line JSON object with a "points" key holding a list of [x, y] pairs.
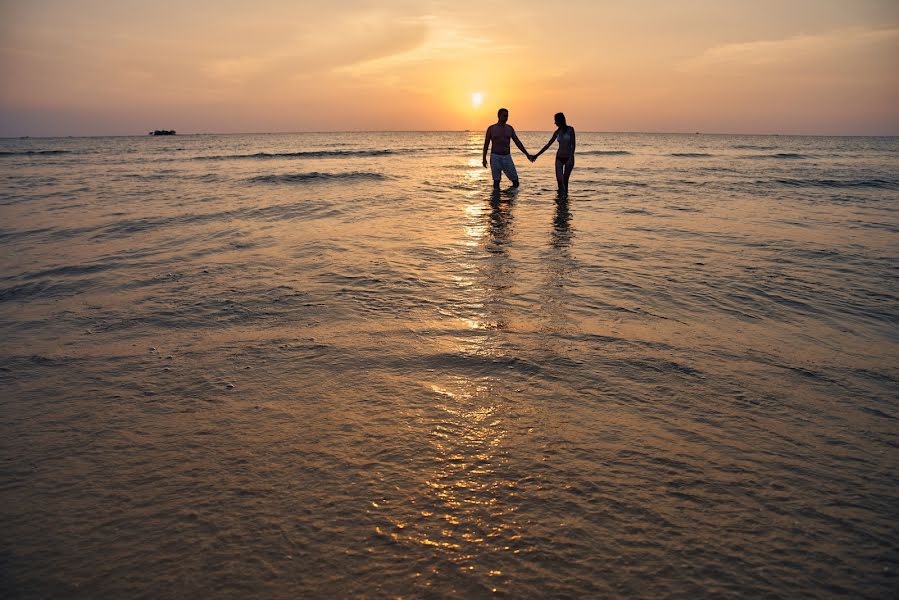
{"points": [[486, 145], [518, 142]]}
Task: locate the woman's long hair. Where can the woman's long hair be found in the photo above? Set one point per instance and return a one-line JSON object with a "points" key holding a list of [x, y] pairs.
{"points": [[560, 121]]}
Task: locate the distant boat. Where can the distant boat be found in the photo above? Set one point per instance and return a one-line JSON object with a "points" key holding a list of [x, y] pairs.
{"points": [[163, 132]]}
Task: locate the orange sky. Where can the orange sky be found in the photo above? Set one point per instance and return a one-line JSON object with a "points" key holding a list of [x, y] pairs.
{"points": [[91, 67]]}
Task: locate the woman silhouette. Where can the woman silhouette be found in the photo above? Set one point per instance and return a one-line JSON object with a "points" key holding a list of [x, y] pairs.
{"points": [[565, 154]]}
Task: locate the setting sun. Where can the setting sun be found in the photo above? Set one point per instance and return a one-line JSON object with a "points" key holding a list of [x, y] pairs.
{"points": [[477, 99]]}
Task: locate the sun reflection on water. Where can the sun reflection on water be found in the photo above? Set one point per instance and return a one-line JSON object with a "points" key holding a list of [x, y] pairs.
{"points": [[464, 509], [467, 510]]}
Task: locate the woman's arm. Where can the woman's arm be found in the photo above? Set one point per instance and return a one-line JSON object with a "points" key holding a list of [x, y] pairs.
{"points": [[573, 142], [549, 143]]}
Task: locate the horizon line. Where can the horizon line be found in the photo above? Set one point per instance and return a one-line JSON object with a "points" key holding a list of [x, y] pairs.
{"points": [[336, 131]]}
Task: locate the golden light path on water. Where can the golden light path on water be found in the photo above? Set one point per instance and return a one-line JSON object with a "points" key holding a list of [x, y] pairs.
{"points": [[475, 507]]}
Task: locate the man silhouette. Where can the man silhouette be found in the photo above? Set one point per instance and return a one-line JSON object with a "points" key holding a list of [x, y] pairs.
{"points": [[499, 134]]}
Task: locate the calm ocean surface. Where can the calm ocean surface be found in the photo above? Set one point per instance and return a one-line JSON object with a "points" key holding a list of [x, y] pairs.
{"points": [[332, 365]]}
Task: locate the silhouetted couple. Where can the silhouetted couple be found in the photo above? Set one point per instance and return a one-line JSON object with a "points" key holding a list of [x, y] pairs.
{"points": [[501, 133]]}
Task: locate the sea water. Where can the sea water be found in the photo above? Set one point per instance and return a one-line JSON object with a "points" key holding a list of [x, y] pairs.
{"points": [[338, 365]]}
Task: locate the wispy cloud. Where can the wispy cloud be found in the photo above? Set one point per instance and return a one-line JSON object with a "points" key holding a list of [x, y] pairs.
{"points": [[444, 40], [347, 42], [793, 49]]}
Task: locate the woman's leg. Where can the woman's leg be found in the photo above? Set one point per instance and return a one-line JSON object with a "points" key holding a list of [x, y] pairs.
{"points": [[569, 167], [560, 177]]}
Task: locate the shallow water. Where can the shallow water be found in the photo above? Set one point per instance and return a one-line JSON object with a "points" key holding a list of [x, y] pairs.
{"points": [[337, 366]]}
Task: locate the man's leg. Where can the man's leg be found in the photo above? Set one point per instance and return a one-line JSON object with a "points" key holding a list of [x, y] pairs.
{"points": [[496, 169], [511, 173]]}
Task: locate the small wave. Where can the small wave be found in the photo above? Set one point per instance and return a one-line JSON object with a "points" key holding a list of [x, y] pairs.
{"points": [[786, 155], [314, 176], [779, 155], [307, 154], [691, 154], [683, 208], [606, 152], [206, 177], [32, 152], [619, 183], [753, 147], [167, 174], [887, 184]]}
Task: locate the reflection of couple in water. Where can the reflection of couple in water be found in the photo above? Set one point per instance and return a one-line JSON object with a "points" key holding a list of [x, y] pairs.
{"points": [[501, 133]]}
